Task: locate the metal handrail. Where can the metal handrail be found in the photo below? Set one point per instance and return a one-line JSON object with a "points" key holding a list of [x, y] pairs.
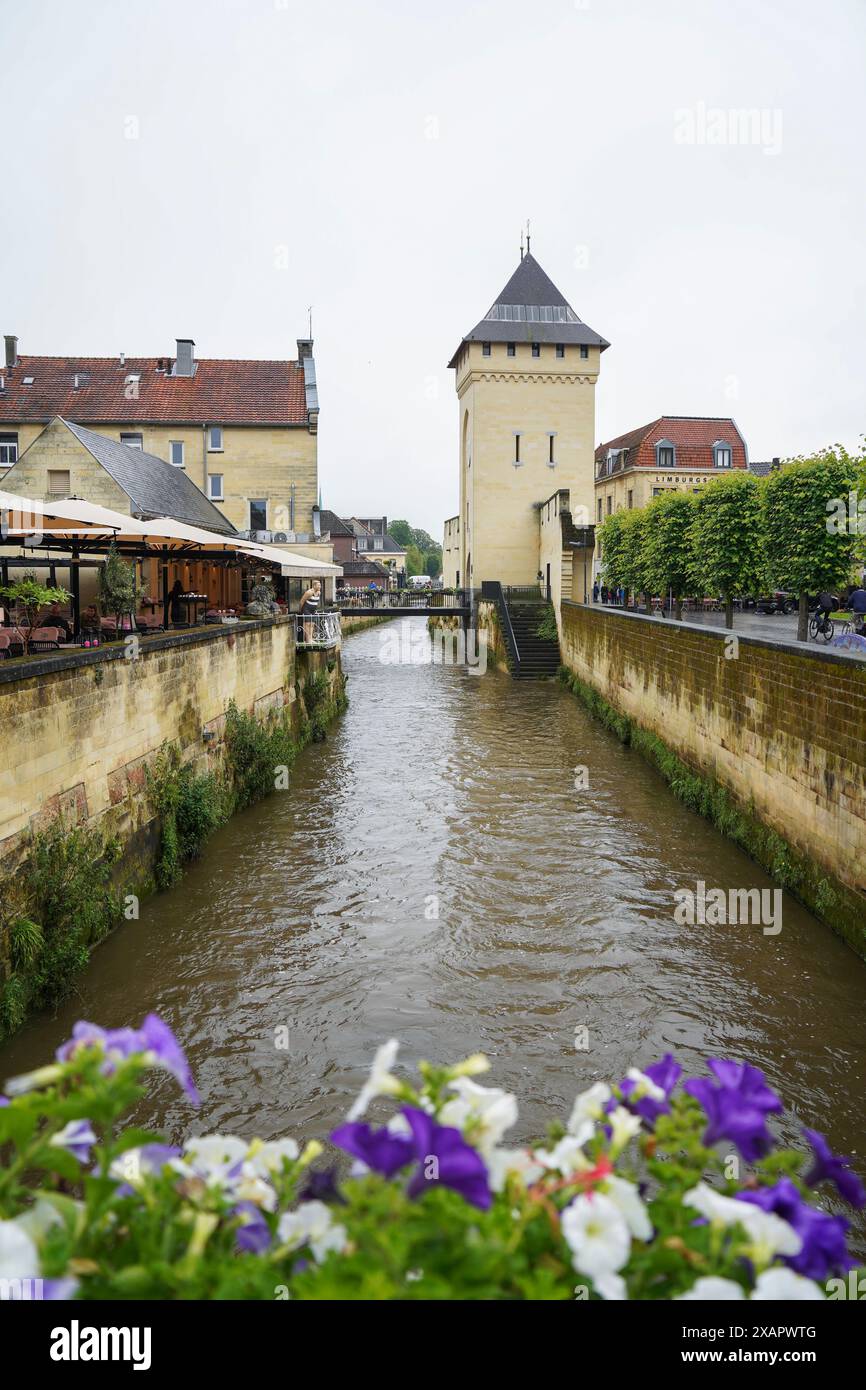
{"points": [[317, 629], [493, 592]]}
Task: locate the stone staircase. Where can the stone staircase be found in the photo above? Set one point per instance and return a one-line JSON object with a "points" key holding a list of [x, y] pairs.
{"points": [[538, 656]]}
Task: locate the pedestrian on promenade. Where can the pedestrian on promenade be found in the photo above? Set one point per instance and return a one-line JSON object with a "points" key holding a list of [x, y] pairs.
{"points": [[604, 593], [595, 592]]}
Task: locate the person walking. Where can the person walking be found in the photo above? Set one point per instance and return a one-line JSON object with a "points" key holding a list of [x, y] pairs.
{"points": [[595, 592]]}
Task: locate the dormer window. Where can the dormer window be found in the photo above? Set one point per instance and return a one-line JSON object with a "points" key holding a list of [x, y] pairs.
{"points": [[666, 454], [485, 349], [511, 349], [584, 351], [536, 349], [722, 454]]}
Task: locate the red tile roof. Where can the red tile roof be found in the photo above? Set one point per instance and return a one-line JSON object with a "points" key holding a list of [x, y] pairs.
{"points": [[693, 436], [221, 392]]}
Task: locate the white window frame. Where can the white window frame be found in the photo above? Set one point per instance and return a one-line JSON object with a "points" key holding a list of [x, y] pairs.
{"points": [[8, 441], [132, 439], [214, 494], [172, 445], [211, 447], [721, 446]]}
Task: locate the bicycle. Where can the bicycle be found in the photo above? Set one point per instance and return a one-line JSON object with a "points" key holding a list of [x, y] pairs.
{"points": [[821, 625]]}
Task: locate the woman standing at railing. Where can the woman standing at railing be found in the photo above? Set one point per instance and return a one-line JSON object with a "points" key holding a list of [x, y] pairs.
{"points": [[309, 607]]}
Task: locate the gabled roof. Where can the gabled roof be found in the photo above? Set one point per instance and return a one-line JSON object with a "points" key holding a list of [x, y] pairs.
{"points": [[329, 521], [154, 487], [530, 309], [220, 392], [358, 568]]}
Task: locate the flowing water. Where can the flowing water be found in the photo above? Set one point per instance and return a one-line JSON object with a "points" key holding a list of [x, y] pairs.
{"points": [[311, 919]]}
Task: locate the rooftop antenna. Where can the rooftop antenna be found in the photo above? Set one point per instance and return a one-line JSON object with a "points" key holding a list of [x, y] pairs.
{"points": [[521, 243], [310, 312], [527, 236]]}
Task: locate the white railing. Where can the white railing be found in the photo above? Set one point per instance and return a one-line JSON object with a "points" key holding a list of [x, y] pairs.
{"points": [[318, 629]]}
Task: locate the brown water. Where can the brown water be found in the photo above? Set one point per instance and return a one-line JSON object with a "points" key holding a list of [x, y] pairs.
{"points": [[556, 911]]}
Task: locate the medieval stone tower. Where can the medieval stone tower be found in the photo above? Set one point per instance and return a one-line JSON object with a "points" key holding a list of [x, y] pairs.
{"points": [[525, 378]]}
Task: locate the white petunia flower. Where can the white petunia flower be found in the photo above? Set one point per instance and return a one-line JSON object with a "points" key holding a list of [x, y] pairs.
{"points": [[768, 1234], [711, 1289], [484, 1111], [502, 1163], [19, 1258], [380, 1081], [627, 1199], [625, 1126], [313, 1225], [611, 1286], [596, 1234], [781, 1285], [589, 1105], [215, 1158], [265, 1159], [567, 1156]]}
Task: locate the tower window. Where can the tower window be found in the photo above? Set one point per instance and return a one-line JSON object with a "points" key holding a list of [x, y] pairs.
{"points": [[517, 448], [599, 510], [536, 349], [550, 459], [485, 349], [609, 505], [584, 351], [560, 349], [630, 498], [511, 350]]}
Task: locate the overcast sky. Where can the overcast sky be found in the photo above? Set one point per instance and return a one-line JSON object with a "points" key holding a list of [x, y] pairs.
{"points": [[209, 168]]}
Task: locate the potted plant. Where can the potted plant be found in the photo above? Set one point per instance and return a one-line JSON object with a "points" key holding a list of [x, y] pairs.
{"points": [[117, 587], [30, 598]]}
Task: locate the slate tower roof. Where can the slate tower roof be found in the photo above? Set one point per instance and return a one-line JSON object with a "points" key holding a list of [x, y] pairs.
{"points": [[530, 309]]}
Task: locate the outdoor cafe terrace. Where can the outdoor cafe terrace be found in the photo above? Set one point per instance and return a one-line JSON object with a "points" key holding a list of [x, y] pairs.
{"points": [[183, 577]]}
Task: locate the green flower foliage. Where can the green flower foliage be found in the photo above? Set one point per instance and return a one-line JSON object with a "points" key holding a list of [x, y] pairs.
{"points": [[227, 1218]]}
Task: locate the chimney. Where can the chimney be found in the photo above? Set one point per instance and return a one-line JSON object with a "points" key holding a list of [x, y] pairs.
{"points": [[11, 351], [776, 462], [185, 362], [123, 359], [305, 348]]}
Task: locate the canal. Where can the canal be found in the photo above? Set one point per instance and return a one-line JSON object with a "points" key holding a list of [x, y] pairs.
{"points": [[434, 875]]}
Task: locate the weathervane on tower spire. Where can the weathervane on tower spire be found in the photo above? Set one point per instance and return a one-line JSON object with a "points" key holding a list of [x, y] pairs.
{"points": [[527, 237]]}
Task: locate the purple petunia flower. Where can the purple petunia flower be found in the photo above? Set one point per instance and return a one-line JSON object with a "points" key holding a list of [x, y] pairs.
{"points": [[384, 1152], [154, 1036], [77, 1137], [445, 1158], [737, 1107], [443, 1155], [824, 1251], [321, 1186], [253, 1235], [834, 1168], [665, 1074], [160, 1040]]}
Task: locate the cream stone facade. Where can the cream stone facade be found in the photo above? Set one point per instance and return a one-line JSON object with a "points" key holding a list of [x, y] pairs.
{"points": [[451, 553], [525, 379], [245, 432]]}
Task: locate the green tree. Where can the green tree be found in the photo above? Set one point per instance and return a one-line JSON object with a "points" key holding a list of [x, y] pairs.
{"points": [[432, 565], [810, 543], [668, 551], [401, 531], [117, 587], [727, 537], [611, 546], [414, 560], [30, 599]]}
